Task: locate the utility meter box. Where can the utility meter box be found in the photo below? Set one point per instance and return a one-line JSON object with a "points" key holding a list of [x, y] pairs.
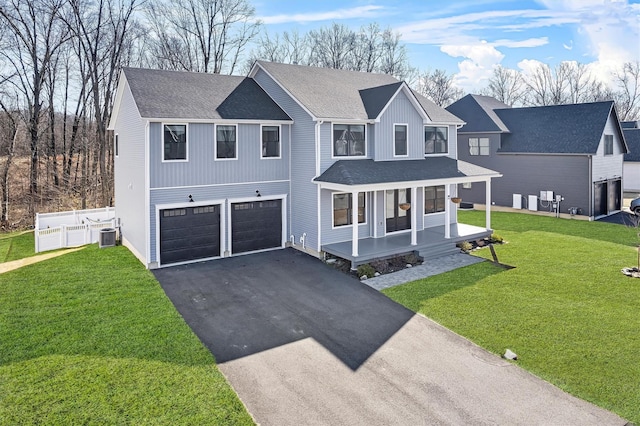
{"points": [[546, 195]]}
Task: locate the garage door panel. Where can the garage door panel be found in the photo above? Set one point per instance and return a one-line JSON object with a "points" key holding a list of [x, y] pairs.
{"points": [[256, 225], [189, 233]]}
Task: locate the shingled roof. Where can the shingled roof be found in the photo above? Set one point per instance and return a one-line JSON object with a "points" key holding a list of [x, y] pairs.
{"points": [[478, 112], [632, 137], [368, 172], [556, 129], [189, 95], [329, 93]]}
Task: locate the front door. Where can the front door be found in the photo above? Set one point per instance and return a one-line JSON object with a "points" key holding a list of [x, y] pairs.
{"points": [[398, 209]]}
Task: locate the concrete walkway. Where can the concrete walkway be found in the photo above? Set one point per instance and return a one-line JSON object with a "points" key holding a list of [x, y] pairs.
{"points": [[15, 264], [427, 269]]}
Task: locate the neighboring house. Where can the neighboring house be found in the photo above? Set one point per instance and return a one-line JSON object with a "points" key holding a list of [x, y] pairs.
{"points": [[631, 173], [570, 151], [210, 166]]}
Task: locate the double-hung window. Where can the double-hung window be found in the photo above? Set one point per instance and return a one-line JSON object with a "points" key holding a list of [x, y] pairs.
{"points": [[226, 141], [270, 141], [342, 212], [174, 140], [434, 200], [436, 140], [608, 144], [479, 146], [400, 140], [349, 140]]}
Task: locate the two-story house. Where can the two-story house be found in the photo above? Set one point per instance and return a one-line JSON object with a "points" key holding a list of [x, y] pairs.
{"points": [[326, 161], [631, 174], [573, 153]]}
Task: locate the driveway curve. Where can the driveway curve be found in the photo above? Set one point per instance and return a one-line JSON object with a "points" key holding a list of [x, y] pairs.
{"points": [[304, 344]]}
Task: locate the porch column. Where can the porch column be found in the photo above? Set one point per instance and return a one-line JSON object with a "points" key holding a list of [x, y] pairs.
{"points": [[487, 203], [354, 224], [447, 211], [414, 216]]}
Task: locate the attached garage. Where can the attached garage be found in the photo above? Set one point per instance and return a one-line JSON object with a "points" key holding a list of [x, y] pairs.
{"points": [[256, 225], [189, 233]]}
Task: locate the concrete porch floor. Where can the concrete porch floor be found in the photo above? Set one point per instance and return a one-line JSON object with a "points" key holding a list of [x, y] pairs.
{"points": [[430, 242]]}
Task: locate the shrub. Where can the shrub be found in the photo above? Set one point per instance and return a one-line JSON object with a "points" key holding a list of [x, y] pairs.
{"points": [[412, 259], [366, 270], [496, 239], [465, 246]]}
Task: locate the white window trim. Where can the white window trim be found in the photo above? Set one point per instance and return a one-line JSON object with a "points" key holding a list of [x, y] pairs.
{"points": [[366, 215], [186, 136], [604, 145], [116, 145], [350, 157], [480, 154], [215, 142], [279, 156], [406, 125], [436, 154]]}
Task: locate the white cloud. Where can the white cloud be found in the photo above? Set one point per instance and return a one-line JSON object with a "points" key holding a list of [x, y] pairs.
{"points": [[370, 11], [478, 66]]}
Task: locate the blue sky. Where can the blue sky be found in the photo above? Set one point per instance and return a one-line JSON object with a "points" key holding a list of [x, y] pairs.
{"points": [[468, 38]]}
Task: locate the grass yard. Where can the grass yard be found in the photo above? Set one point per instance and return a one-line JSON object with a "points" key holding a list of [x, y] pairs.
{"points": [[90, 338], [16, 245], [566, 310]]}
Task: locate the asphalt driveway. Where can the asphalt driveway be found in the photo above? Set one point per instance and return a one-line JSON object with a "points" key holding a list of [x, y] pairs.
{"points": [[621, 218], [304, 344]]}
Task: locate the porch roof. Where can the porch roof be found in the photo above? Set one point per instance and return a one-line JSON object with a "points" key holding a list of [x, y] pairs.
{"points": [[370, 172]]}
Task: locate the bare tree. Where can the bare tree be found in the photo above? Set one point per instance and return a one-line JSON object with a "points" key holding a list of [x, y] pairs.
{"points": [[9, 120], [101, 29], [506, 85], [438, 86], [35, 34], [332, 47], [627, 95], [201, 35]]}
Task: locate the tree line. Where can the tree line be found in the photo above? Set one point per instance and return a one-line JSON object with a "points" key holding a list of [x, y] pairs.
{"points": [[60, 61]]}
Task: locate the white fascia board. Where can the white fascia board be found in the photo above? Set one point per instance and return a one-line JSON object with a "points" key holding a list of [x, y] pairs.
{"points": [[404, 184]]}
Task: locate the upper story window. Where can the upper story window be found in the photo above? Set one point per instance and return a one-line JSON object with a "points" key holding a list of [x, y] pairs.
{"points": [[349, 140], [270, 141], [342, 212], [174, 139], [436, 140], [400, 140], [226, 141], [479, 146], [608, 144]]}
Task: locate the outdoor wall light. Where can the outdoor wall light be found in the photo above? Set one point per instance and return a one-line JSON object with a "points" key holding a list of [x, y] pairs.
{"points": [[258, 193], [190, 198]]}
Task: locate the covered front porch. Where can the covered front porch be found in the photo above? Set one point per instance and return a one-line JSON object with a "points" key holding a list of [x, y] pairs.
{"points": [[430, 243]]}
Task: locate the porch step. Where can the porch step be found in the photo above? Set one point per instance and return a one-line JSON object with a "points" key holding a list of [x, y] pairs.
{"points": [[438, 251]]}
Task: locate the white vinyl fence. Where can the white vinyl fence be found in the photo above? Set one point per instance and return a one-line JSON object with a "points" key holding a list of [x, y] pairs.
{"points": [[74, 228]]}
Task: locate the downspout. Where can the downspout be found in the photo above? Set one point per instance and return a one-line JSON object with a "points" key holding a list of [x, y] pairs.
{"points": [[147, 197], [591, 206], [318, 190]]}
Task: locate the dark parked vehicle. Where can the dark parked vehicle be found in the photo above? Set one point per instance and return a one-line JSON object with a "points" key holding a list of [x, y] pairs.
{"points": [[635, 206]]}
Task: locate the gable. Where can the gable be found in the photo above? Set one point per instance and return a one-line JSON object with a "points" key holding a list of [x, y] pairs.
{"points": [[478, 113]]}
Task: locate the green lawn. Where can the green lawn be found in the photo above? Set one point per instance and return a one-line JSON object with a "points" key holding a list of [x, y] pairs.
{"points": [[16, 245], [566, 310], [90, 338]]}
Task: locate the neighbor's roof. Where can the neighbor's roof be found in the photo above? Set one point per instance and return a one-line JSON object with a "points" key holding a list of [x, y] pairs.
{"points": [[368, 172], [189, 95], [478, 112], [632, 137], [630, 124], [556, 129], [329, 93]]}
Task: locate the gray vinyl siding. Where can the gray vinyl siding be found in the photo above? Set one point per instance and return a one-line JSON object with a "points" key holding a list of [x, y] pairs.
{"points": [[203, 169], [399, 111], [200, 194], [129, 177], [303, 192], [528, 174], [608, 166]]}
